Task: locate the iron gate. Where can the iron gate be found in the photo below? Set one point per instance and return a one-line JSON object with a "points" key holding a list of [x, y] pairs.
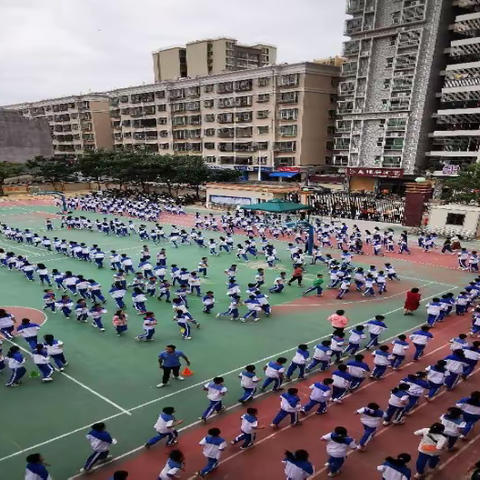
{"points": [[356, 206]]}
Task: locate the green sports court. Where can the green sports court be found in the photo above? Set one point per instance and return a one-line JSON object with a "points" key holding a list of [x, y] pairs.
{"points": [[113, 379]]}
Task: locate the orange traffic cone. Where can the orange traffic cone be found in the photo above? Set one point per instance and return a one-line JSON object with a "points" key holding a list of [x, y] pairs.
{"points": [[187, 372]]}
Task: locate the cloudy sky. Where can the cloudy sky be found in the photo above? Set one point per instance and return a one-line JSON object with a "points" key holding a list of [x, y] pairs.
{"points": [[50, 48]]}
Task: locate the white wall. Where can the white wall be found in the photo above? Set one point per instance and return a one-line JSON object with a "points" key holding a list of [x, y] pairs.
{"points": [[438, 218], [254, 196]]}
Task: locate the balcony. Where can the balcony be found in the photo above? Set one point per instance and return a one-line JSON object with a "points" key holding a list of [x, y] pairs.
{"points": [[351, 48], [285, 147], [341, 143], [353, 26], [414, 12], [349, 69], [347, 88], [392, 161], [225, 132], [343, 126], [339, 161], [345, 108], [355, 6], [467, 26]]}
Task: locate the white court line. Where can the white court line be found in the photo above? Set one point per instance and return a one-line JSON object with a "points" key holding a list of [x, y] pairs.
{"points": [[369, 299], [460, 451], [8, 247], [46, 442], [203, 383], [80, 384]]}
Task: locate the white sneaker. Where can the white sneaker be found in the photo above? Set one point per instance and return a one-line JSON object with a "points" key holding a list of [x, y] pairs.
{"points": [[161, 385], [179, 378]]}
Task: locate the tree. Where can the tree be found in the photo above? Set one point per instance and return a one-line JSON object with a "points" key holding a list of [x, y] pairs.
{"points": [[191, 171], [96, 165], [223, 175], [53, 170], [8, 170], [466, 187]]}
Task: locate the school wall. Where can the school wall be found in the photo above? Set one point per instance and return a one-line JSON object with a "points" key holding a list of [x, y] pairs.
{"points": [[438, 218], [245, 197]]}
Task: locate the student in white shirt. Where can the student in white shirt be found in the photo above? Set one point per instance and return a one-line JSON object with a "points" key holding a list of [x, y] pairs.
{"points": [[297, 466], [213, 446], [175, 464], [371, 418], [165, 428], [396, 468], [338, 444], [430, 448], [248, 428], [216, 390]]}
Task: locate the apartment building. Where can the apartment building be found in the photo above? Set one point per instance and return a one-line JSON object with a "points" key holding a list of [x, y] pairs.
{"points": [[456, 134], [387, 92], [78, 124], [267, 118], [210, 57]]}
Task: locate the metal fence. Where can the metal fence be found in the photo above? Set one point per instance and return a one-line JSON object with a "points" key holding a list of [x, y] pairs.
{"points": [[356, 206]]}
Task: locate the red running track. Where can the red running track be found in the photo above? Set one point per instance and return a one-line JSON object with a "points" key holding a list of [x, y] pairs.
{"points": [[264, 460]]}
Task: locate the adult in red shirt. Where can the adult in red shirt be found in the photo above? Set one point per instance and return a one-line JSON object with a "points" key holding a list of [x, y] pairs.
{"points": [[297, 275], [338, 320], [412, 302]]}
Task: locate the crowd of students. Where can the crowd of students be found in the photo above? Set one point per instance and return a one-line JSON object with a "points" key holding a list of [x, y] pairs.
{"points": [[150, 281]]}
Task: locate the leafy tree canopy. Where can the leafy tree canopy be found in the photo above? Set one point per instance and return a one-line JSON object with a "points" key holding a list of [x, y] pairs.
{"points": [[466, 187]]}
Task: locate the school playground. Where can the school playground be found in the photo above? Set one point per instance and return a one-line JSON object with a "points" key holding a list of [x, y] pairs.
{"points": [[113, 379]]}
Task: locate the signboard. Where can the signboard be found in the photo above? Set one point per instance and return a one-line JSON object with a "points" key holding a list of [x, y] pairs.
{"points": [[228, 200], [450, 169], [249, 168], [375, 172], [288, 169], [242, 168]]}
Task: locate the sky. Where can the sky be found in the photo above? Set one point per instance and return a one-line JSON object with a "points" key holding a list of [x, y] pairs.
{"points": [[53, 48]]}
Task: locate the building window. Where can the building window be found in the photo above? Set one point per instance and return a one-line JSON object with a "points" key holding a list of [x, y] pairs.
{"points": [[289, 80], [335, 82], [457, 219], [333, 98], [160, 94], [386, 83], [289, 114], [262, 130], [209, 132], [208, 103], [164, 146], [331, 114], [288, 97], [264, 81], [210, 117], [263, 114], [209, 145], [330, 130], [209, 88], [389, 62], [288, 130], [263, 98], [211, 159], [162, 120]]}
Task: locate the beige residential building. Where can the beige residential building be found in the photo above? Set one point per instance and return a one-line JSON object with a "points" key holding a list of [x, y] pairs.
{"points": [[78, 124], [275, 116], [336, 60], [209, 57]]}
